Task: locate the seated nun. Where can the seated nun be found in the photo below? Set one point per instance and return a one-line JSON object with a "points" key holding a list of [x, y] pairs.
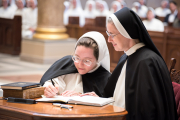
{"points": [[137, 9], [90, 9], [86, 70], [104, 9], [6, 10], [97, 4], [163, 10], [77, 11], [115, 6], [13, 5], [153, 24], [20, 7], [143, 8], [30, 19]]}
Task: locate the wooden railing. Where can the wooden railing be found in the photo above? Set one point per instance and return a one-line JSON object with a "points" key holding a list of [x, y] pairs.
{"points": [[10, 35]]}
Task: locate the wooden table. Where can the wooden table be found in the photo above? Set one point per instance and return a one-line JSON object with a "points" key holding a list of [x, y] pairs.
{"points": [[46, 111]]}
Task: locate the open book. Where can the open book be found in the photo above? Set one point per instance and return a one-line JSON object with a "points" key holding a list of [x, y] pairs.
{"points": [[85, 100]]}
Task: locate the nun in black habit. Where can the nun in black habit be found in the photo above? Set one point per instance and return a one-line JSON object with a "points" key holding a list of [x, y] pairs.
{"points": [[86, 71], [141, 82]]}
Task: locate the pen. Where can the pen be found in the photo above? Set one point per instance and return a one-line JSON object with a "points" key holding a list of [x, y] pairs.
{"points": [[63, 106], [52, 82]]}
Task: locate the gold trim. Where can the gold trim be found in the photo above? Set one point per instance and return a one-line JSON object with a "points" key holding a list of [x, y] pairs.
{"points": [[43, 36], [51, 30]]}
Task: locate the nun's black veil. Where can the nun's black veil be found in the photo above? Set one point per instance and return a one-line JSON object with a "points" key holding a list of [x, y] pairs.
{"points": [[135, 28]]}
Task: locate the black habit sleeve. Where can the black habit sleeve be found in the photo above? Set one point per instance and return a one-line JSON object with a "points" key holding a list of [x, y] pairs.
{"points": [[148, 89]]}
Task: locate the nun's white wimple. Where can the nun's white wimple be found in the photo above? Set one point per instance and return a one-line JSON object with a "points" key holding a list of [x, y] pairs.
{"points": [[119, 26], [104, 58]]}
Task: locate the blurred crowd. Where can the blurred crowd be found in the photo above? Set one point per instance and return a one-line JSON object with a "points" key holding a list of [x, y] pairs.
{"points": [[27, 9], [92, 9]]}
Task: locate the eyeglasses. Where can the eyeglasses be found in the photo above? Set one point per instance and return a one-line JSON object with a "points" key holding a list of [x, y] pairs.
{"points": [[85, 61], [112, 36]]}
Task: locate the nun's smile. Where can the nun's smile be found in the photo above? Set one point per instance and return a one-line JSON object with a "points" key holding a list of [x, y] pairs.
{"points": [[119, 42]]}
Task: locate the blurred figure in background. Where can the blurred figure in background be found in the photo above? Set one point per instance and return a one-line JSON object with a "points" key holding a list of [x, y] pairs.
{"points": [[97, 4], [153, 24], [144, 8], [163, 10], [137, 9], [115, 6], [20, 7], [104, 9], [122, 2], [90, 9], [77, 11], [30, 19], [6, 11], [176, 23], [173, 15], [66, 10], [13, 5]]}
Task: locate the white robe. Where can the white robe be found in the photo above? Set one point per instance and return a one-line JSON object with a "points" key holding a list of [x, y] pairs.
{"points": [[7, 13], [141, 12], [30, 21], [154, 25], [119, 92], [162, 12], [69, 82]]}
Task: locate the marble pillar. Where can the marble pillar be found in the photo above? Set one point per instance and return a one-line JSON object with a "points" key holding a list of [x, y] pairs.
{"points": [[50, 42], [50, 20]]}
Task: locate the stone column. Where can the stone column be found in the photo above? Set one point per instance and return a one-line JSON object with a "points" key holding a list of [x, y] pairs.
{"points": [[50, 42], [50, 20]]}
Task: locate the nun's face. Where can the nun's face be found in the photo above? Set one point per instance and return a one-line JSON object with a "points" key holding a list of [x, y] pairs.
{"points": [[150, 15], [84, 54], [119, 42]]}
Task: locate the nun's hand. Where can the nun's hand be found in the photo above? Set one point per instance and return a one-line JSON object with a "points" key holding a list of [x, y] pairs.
{"points": [[51, 91], [69, 93], [90, 94]]}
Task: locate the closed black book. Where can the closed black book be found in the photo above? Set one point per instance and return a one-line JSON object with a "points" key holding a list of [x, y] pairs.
{"points": [[20, 85]]}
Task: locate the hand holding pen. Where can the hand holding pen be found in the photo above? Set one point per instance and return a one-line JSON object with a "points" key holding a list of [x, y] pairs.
{"points": [[51, 90]]}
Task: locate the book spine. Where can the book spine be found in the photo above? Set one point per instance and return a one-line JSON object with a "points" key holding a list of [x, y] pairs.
{"points": [[25, 94]]}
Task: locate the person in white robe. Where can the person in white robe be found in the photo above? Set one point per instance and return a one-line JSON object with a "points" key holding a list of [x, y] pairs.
{"points": [[115, 6], [163, 10], [123, 3], [153, 24], [90, 9], [137, 9], [97, 4], [13, 5], [77, 11], [20, 7], [71, 84], [144, 8], [66, 10], [6, 10], [30, 19], [104, 9]]}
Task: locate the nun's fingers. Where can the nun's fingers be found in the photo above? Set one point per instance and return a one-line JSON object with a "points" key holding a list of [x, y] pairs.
{"points": [[90, 94], [53, 89], [70, 93], [48, 94], [49, 91], [65, 92]]}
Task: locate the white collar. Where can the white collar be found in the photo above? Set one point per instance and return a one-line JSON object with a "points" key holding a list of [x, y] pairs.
{"points": [[134, 48]]}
